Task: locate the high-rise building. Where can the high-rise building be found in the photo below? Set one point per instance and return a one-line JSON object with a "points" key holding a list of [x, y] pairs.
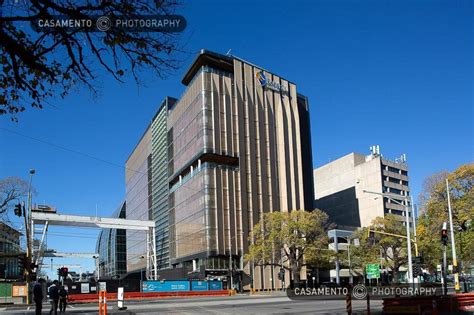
{"points": [[236, 145], [339, 188], [239, 146]]}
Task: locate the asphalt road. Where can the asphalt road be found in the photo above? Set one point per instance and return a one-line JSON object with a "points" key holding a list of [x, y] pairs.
{"points": [[240, 304]]}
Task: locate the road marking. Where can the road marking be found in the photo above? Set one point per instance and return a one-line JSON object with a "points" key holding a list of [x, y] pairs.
{"points": [[28, 308], [71, 306]]}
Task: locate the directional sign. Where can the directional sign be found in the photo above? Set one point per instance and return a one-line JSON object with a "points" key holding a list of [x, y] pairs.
{"points": [[372, 271]]}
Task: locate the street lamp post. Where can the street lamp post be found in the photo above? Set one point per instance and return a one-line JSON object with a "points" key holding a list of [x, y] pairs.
{"points": [[141, 275], [410, 263]]}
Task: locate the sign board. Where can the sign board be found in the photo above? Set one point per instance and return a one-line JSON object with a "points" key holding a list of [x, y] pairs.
{"points": [[120, 297], [372, 271], [44, 208], [199, 286], [438, 268], [85, 288], [19, 290], [102, 286], [165, 286], [215, 285]]}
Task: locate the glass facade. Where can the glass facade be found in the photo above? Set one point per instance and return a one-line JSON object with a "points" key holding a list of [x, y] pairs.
{"points": [[160, 182], [138, 182], [211, 163], [111, 247]]}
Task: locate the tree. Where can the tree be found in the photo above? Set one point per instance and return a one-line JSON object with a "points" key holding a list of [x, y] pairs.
{"points": [[461, 183], [38, 65], [291, 234], [429, 189], [364, 254], [391, 249], [12, 189]]}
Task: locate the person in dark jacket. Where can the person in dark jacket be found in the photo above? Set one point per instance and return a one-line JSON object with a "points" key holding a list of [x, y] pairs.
{"points": [[53, 293], [62, 299], [38, 296]]}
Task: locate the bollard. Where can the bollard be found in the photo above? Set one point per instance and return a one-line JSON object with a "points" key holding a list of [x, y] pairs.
{"points": [[120, 299], [348, 304], [102, 302], [368, 304]]}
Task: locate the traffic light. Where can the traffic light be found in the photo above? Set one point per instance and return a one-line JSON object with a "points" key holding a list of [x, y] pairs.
{"points": [[417, 270], [371, 236], [17, 210], [281, 274], [63, 272], [444, 234]]}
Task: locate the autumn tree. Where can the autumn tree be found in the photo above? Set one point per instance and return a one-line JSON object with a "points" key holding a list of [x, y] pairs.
{"points": [[429, 224], [41, 64], [290, 234]]}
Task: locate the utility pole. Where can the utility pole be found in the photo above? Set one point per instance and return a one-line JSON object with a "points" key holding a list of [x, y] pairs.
{"points": [[444, 269], [453, 244], [407, 223], [29, 238]]}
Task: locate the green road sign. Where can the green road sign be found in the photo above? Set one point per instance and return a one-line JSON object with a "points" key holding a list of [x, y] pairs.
{"points": [[372, 271]]}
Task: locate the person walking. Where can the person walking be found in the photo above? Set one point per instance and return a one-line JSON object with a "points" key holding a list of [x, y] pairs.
{"points": [[63, 296], [38, 296], [53, 293]]}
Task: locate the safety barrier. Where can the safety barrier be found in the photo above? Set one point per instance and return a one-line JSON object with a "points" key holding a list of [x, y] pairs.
{"points": [[85, 298], [348, 304], [103, 302], [429, 304]]}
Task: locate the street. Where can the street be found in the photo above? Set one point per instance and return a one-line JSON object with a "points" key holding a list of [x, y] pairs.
{"points": [[240, 304]]}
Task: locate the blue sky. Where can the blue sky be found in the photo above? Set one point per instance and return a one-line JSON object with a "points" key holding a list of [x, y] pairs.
{"points": [[394, 73]]}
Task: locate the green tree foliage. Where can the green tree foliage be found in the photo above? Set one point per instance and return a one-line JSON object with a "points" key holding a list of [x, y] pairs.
{"points": [[291, 235], [365, 253], [391, 249], [40, 65], [435, 212]]}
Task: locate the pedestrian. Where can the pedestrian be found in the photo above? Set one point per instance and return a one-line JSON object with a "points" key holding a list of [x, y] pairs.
{"points": [[53, 293], [63, 296], [38, 296]]}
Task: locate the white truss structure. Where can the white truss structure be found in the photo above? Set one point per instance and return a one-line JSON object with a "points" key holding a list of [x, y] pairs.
{"points": [[48, 219]]}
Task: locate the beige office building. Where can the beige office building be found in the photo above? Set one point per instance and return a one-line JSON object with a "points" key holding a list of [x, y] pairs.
{"points": [[239, 146], [339, 188]]}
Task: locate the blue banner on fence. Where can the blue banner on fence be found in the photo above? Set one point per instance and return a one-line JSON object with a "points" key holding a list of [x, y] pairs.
{"points": [[165, 286], [199, 286], [215, 285]]}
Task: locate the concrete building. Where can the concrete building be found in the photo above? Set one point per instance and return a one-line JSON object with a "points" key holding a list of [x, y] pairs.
{"points": [[339, 186], [235, 145], [9, 251]]}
